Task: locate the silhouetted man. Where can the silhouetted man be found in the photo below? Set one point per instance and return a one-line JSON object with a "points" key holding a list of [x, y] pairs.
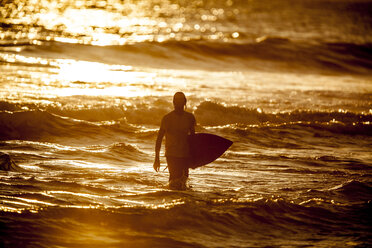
{"points": [[176, 126]]}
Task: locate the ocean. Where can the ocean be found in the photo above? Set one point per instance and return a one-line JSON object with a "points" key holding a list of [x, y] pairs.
{"points": [[83, 88]]}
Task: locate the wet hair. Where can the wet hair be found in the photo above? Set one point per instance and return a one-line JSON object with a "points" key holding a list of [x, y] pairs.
{"points": [[179, 95]]}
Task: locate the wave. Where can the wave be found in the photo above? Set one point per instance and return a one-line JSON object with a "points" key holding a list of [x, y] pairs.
{"points": [[349, 189], [138, 113], [110, 121], [120, 152], [7, 163], [282, 53], [340, 57], [208, 113], [233, 223], [298, 136], [39, 124], [214, 114]]}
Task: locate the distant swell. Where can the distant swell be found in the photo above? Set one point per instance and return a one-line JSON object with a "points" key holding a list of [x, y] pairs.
{"points": [[323, 56], [211, 113], [284, 53]]}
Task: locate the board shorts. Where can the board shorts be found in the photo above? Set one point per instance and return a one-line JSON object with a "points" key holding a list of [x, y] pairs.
{"points": [[178, 171]]}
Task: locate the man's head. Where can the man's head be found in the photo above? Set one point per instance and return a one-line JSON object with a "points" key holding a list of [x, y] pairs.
{"points": [[179, 101]]}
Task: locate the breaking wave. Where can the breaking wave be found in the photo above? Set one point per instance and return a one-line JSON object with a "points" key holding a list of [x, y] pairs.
{"points": [[36, 123]]}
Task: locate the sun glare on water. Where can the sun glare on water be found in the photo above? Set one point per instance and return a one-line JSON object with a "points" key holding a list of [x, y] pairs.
{"points": [[113, 22], [104, 24], [92, 78], [68, 77], [97, 23]]}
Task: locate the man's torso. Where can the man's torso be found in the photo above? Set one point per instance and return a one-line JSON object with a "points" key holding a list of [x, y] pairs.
{"points": [[177, 127]]}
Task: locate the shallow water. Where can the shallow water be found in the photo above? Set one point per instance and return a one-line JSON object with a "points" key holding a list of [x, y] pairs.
{"points": [[85, 84]]}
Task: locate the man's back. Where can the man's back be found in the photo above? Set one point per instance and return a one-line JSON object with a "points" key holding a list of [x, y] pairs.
{"points": [[177, 127]]}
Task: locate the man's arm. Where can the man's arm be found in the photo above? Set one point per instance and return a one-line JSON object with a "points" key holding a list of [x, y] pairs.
{"points": [[159, 139], [192, 129]]}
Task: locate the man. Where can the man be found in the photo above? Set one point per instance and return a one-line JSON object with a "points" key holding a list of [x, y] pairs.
{"points": [[176, 126]]}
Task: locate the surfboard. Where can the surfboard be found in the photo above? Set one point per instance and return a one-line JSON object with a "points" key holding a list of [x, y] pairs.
{"points": [[206, 148]]}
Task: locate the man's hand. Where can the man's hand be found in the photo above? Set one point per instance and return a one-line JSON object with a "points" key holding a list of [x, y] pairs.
{"points": [[157, 164]]}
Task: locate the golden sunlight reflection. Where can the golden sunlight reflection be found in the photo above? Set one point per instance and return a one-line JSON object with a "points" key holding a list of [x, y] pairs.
{"points": [[114, 22], [53, 192], [11, 209], [71, 70], [75, 77], [80, 21], [79, 74], [22, 202], [85, 164], [128, 91], [19, 204]]}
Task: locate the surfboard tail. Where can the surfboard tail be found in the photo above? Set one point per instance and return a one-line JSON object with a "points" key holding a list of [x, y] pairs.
{"points": [[206, 148]]}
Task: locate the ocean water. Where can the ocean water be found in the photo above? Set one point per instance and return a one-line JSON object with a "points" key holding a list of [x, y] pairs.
{"points": [[83, 87]]}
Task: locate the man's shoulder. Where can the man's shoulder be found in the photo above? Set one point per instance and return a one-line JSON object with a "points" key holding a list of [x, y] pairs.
{"points": [[173, 114], [166, 118], [190, 115], [169, 115]]}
